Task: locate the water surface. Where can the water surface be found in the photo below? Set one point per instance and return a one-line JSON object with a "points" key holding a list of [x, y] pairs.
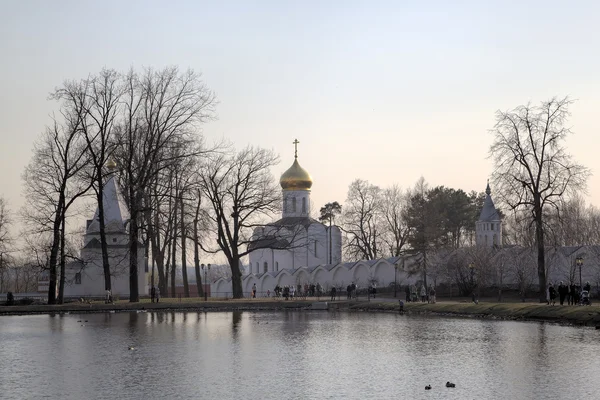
{"points": [[292, 355]]}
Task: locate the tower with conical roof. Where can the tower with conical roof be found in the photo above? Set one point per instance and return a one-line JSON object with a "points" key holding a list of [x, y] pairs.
{"points": [[488, 228]]}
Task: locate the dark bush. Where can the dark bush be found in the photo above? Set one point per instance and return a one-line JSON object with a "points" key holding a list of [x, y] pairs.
{"points": [[26, 301]]}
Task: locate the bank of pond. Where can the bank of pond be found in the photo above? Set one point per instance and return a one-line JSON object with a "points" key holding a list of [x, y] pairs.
{"points": [[567, 314]]}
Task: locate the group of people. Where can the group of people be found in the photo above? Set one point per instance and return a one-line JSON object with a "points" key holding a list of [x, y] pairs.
{"points": [[423, 295], [572, 293]]}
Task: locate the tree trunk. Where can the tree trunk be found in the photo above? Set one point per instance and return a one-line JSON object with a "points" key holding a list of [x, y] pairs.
{"points": [[134, 295], [174, 249], [236, 277], [541, 261], [186, 288], [63, 261], [102, 225], [199, 286], [54, 250], [330, 244]]}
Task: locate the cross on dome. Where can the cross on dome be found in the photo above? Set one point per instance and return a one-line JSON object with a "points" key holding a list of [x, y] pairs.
{"points": [[295, 142]]}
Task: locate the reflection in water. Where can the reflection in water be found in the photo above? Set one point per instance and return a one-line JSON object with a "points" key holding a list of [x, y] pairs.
{"points": [[294, 355]]}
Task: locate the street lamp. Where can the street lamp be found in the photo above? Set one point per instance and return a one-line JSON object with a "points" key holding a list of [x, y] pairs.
{"points": [[205, 270], [395, 280], [579, 261]]}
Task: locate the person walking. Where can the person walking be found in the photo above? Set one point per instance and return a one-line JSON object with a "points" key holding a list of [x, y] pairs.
{"points": [[431, 294], [563, 291], [423, 294], [551, 295], [152, 294], [157, 294], [254, 291]]}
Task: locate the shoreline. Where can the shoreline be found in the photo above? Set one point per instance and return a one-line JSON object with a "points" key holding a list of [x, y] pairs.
{"points": [[572, 315]]}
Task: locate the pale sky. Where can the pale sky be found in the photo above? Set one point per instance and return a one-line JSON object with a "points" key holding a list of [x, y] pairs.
{"points": [[383, 91]]}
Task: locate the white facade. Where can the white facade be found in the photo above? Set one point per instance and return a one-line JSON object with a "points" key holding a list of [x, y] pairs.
{"points": [[86, 277]]}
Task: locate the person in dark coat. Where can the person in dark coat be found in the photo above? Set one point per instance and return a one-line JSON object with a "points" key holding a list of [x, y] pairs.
{"points": [[152, 294], [571, 295], [552, 293], [563, 291]]}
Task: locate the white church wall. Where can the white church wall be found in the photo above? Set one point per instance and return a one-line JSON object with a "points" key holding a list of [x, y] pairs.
{"points": [[322, 276], [361, 274]]}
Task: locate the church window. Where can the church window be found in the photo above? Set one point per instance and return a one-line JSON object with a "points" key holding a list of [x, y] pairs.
{"points": [[316, 249], [78, 278], [266, 267], [492, 226], [276, 265], [294, 204], [304, 205], [114, 240]]}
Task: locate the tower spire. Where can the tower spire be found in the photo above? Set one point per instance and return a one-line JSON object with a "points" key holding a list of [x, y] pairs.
{"points": [[488, 191], [295, 142]]}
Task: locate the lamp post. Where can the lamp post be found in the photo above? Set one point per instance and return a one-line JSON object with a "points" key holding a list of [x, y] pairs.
{"points": [[205, 271], [395, 279], [579, 261]]}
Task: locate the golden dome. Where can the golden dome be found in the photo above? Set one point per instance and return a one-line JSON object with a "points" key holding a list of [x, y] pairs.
{"points": [[296, 178], [111, 164]]}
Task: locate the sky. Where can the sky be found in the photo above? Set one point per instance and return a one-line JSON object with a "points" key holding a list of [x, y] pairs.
{"points": [[383, 91]]}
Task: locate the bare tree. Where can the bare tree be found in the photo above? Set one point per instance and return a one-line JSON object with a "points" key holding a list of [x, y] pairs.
{"points": [[161, 110], [394, 211], [533, 170], [51, 187], [363, 220], [240, 191], [96, 101]]}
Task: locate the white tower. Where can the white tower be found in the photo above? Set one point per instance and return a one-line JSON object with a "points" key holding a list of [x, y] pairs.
{"points": [[488, 228]]}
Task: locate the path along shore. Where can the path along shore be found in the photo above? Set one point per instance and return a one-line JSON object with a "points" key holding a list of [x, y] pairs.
{"points": [[574, 315]]}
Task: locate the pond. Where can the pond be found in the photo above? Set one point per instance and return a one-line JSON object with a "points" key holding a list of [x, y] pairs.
{"points": [[292, 355]]}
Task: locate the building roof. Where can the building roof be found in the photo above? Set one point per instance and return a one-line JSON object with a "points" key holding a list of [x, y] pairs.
{"points": [[488, 212], [294, 221], [115, 210]]}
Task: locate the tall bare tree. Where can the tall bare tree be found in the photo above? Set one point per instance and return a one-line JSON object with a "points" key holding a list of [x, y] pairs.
{"points": [[363, 220], [161, 110], [52, 186], [394, 206], [96, 101], [241, 192], [532, 167]]}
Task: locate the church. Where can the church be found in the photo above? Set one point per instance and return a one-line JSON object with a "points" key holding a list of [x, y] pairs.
{"points": [[85, 277], [296, 240]]}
